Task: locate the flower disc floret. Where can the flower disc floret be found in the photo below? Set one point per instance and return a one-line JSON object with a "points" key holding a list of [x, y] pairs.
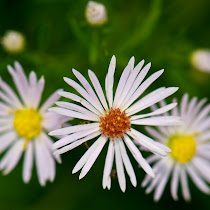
{"points": [[27, 123], [114, 123], [183, 148]]}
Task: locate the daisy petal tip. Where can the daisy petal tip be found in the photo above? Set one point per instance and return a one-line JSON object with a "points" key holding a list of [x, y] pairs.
{"points": [[50, 133], [74, 171], [123, 189], [81, 176], [56, 152]]}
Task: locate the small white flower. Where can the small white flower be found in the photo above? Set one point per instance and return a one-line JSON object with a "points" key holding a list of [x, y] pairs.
{"points": [[23, 126], [190, 154], [201, 60], [95, 13], [13, 42], [112, 121]]}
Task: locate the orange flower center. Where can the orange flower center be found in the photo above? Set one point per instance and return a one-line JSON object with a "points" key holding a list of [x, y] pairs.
{"points": [[114, 123]]}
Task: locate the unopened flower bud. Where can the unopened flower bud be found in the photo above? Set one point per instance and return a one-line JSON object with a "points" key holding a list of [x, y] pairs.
{"points": [[95, 13], [13, 42]]}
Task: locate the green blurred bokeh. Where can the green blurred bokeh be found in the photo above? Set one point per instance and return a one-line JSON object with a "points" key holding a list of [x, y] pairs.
{"points": [[59, 39]]}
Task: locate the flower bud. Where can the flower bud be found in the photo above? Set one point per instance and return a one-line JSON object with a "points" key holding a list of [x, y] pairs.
{"points": [[201, 60], [13, 42], [95, 13]]}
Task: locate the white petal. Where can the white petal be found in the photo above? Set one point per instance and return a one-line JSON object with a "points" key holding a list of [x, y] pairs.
{"points": [[146, 142], [152, 158], [184, 185], [175, 111], [77, 143], [109, 81], [39, 88], [203, 136], [108, 164], [119, 166], [137, 155], [175, 182], [12, 157], [72, 129], [142, 88], [87, 86], [84, 94], [49, 161], [160, 121], [86, 156], [49, 144], [136, 83], [130, 82], [184, 105], [75, 136], [198, 180], [50, 101], [40, 164], [196, 110], [91, 160], [151, 99], [28, 163], [161, 186], [127, 163], [121, 84], [98, 88], [202, 166], [20, 81], [5, 128], [201, 116], [204, 125], [6, 140], [8, 90], [75, 107], [80, 100], [154, 182], [155, 134], [70, 113], [8, 102], [190, 109], [157, 168], [156, 112]]}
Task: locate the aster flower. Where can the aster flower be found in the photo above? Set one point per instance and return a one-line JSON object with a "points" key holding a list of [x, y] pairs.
{"points": [[13, 42], [112, 121], [23, 126], [190, 154]]}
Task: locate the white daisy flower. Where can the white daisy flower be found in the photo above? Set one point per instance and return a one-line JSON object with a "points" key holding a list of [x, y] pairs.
{"points": [[112, 121], [95, 13], [13, 42], [190, 154], [23, 126]]}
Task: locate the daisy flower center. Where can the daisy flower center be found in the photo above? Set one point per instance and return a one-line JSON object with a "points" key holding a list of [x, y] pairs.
{"points": [[183, 148], [27, 123], [114, 123]]}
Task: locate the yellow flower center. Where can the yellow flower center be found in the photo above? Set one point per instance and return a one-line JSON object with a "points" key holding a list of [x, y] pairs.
{"points": [[114, 123], [27, 123], [183, 148]]}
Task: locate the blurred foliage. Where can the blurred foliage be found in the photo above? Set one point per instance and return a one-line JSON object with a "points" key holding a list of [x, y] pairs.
{"points": [[58, 39]]}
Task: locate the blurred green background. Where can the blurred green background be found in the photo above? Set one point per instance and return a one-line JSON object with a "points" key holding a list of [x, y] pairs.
{"points": [[58, 38]]}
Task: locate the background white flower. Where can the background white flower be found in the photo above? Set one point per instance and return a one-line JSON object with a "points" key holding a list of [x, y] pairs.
{"points": [[190, 154], [201, 60], [113, 121], [95, 13], [13, 42], [23, 126]]}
